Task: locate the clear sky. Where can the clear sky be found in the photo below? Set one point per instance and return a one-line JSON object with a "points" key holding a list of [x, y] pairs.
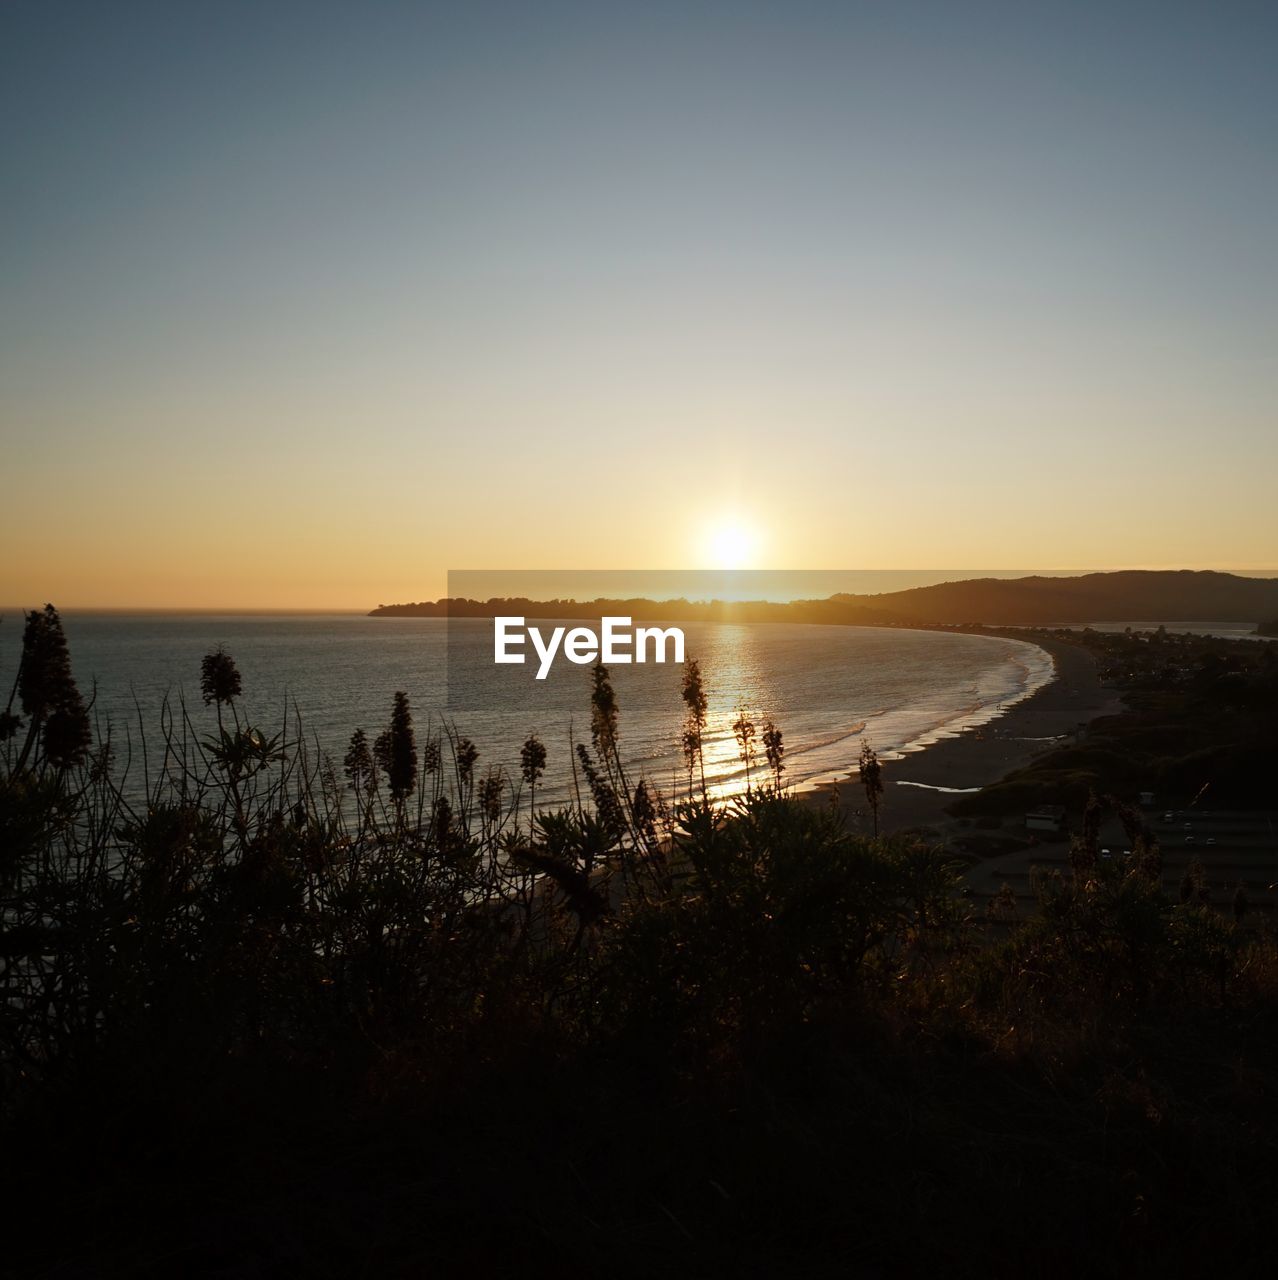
{"points": [[304, 303]]}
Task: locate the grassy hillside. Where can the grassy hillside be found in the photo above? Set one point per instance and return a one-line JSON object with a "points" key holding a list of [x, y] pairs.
{"points": [[291, 1018]]}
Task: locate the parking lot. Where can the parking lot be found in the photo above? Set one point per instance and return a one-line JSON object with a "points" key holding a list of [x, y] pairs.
{"points": [[1234, 847]]}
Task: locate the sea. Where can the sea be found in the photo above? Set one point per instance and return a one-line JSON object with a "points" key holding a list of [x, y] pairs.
{"points": [[318, 677]]}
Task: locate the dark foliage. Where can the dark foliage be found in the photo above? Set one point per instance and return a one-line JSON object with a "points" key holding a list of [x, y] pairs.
{"points": [[268, 1023], [1201, 717]]}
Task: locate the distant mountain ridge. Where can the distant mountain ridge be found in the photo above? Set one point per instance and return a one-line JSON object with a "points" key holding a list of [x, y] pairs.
{"points": [[1125, 596], [1128, 595], [640, 608]]}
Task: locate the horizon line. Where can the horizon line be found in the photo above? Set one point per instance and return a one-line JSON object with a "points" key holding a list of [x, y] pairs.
{"points": [[364, 609]]}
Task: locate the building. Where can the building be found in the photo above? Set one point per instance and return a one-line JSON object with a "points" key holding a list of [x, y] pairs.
{"points": [[1047, 817]]}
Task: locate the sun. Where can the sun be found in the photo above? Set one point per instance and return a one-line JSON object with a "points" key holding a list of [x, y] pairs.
{"points": [[730, 546]]}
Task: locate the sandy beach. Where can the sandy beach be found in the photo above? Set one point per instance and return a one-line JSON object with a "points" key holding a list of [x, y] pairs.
{"points": [[983, 755]]}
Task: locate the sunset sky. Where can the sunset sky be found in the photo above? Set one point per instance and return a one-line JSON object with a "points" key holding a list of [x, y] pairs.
{"points": [[305, 304]]}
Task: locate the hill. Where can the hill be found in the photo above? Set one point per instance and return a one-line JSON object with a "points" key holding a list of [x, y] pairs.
{"points": [[1125, 596], [679, 610], [1129, 595]]}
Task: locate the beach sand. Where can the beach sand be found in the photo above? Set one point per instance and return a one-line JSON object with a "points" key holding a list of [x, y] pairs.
{"points": [[983, 755]]}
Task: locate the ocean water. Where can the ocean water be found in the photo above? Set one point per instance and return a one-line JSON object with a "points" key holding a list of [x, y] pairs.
{"points": [[826, 687]]}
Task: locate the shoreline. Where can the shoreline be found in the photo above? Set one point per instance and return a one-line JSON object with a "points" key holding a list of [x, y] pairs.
{"points": [[981, 754]]}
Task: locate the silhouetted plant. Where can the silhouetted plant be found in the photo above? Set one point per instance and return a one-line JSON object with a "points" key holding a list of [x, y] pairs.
{"points": [[491, 787], [644, 810], [871, 772], [1084, 854], [67, 736], [602, 793], [45, 681], [532, 765], [382, 751], [774, 751], [1193, 884], [466, 755], [694, 697], [744, 732], [401, 751], [532, 760], [442, 821], [1002, 906], [603, 712], [358, 765], [241, 753], [219, 678], [59, 720], [1147, 857], [1242, 904]]}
